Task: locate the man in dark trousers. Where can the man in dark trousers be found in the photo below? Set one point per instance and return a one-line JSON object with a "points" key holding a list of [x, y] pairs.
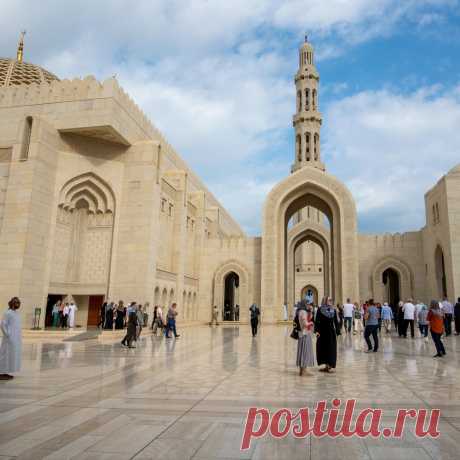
{"points": [[255, 313]]}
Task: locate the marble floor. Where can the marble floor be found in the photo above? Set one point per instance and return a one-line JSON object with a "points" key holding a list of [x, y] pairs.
{"points": [[188, 399]]}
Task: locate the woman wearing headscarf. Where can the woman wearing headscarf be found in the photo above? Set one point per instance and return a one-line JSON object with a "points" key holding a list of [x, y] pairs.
{"points": [[326, 330], [109, 316], [120, 318], [305, 356], [436, 319]]}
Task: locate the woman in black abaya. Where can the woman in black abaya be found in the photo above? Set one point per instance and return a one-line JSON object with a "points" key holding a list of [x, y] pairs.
{"points": [[326, 330]]}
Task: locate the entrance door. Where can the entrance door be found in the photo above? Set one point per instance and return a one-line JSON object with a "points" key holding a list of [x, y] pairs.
{"points": [[94, 309]]}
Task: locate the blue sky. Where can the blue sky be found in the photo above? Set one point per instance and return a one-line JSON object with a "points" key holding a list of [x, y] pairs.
{"points": [[217, 78]]}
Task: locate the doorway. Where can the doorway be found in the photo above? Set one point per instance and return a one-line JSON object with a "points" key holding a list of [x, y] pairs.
{"points": [[232, 282], [94, 310], [390, 278]]}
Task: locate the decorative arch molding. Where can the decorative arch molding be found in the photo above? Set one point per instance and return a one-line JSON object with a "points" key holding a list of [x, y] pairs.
{"points": [[301, 232], [90, 188], [316, 188], [245, 290], [402, 268]]}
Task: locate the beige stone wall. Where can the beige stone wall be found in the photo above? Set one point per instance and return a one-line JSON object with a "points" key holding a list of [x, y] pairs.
{"points": [[82, 127], [401, 252], [151, 231]]}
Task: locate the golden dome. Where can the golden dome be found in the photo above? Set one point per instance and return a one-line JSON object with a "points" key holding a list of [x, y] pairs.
{"points": [[14, 72]]}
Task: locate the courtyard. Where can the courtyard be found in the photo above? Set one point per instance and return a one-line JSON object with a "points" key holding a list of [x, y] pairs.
{"points": [[188, 398]]}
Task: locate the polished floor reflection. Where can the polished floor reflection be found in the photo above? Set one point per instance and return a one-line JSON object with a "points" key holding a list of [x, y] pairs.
{"points": [[188, 398]]}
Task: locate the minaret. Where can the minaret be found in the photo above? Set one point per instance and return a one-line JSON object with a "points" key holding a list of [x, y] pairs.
{"points": [[307, 120]]}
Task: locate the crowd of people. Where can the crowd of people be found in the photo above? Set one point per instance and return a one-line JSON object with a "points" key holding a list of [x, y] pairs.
{"points": [[370, 319], [134, 318], [63, 314]]}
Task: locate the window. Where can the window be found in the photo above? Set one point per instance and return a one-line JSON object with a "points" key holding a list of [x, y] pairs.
{"points": [[299, 101], [316, 145], [307, 99], [314, 99], [307, 146], [26, 138], [437, 214], [163, 205], [170, 211], [299, 147]]}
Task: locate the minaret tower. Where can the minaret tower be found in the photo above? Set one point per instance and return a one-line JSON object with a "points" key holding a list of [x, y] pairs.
{"points": [[307, 120]]}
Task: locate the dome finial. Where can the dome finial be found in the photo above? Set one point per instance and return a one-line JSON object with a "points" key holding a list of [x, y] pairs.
{"points": [[20, 52], [306, 38]]}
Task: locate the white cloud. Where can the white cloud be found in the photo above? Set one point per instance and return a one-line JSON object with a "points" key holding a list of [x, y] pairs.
{"points": [[391, 148], [216, 76]]}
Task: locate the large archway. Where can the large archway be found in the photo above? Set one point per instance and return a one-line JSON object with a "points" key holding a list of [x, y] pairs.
{"points": [[315, 188], [391, 278], [244, 295]]}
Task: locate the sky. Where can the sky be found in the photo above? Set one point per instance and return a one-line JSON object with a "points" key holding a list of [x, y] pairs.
{"points": [[216, 77]]}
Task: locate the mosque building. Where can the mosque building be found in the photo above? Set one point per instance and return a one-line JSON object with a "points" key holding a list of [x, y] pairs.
{"points": [[96, 204]]}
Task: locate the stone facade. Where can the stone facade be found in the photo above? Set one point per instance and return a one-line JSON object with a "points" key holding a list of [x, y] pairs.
{"points": [[95, 203]]}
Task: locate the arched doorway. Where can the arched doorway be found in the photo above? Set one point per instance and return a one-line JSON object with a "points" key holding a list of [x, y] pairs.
{"points": [[231, 295], [82, 251], [391, 281], [244, 292], [319, 190], [310, 294], [298, 235], [440, 267]]}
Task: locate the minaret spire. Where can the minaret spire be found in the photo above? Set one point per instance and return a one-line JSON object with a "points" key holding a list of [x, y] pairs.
{"points": [[307, 120], [20, 52]]}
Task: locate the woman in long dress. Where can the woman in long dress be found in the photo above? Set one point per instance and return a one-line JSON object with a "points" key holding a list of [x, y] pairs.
{"points": [[326, 330], [109, 317], [10, 350], [305, 356], [120, 319]]}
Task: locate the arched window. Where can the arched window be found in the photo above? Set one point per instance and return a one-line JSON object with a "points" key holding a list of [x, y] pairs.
{"points": [[299, 101], [316, 146], [307, 99], [313, 99], [307, 146], [299, 147], [26, 138]]}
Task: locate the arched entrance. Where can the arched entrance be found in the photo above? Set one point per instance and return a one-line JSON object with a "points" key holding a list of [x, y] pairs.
{"points": [[390, 279], [231, 296], [310, 294], [83, 239], [298, 235], [440, 267], [230, 289], [315, 188]]}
